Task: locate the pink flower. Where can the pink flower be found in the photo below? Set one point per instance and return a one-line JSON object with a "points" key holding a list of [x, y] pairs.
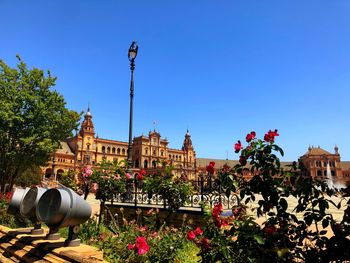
{"points": [[238, 146], [87, 172], [150, 211], [94, 187], [143, 228], [191, 235], [141, 245], [198, 231], [128, 176], [250, 136], [155, 234]]}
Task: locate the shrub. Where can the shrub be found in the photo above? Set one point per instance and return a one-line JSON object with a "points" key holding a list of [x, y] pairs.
{"points": [[282, 237]]}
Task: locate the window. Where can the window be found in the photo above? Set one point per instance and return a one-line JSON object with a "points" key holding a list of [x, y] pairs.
{"points": [[325, 173], [161, 153], [113, 150], [118, 151], [324, 164], [145, 164], [154, 152], [108, 149], [180, 157], [319, 173], [88, 146], [137, 163], [103, 149], [154, 164], [123, 151], [146, 151], [333, 173]]}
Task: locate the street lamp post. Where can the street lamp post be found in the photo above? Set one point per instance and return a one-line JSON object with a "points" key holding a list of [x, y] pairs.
{"points": [[132, 53]]}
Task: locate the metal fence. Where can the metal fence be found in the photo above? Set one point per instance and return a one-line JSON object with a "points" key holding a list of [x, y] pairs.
{"points": [[206, 191]]}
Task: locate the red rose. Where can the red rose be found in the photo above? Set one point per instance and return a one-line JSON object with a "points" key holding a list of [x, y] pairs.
{"points": [[242, 160], [131, 247], [141, 245], [210, 167], [269, 230], [238, 146], [191, 235], [198, 231], [217, 210], [270, 136], [250, 136], [141, 175]]}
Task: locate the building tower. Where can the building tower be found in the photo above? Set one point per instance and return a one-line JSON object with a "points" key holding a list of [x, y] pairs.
{"points": [[87, 134], [190, 156]]}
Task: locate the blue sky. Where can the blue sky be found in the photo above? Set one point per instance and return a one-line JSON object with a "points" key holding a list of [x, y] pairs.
{"points": [[220, 68]]}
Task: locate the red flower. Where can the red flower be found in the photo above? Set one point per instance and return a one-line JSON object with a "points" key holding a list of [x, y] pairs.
{"points": [[238, 146], [141, 245], [270, 136], [269, 230], [217, 210], [191, 235], [242, 160], [210, 167], [9, 196], [131, 246], [142, 172], [250, 136], [198, 231]]}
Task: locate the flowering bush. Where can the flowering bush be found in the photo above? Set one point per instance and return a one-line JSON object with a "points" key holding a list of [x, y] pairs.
{"points": [[284, 235], [132, 242], [174, 191], [109, 178]]}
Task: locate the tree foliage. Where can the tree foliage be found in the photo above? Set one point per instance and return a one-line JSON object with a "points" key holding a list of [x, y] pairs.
{"points": [[33, 119]]}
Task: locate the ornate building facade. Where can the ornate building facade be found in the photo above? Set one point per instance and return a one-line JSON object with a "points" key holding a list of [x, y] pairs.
{"points": [[319, 162], [149, 152]]}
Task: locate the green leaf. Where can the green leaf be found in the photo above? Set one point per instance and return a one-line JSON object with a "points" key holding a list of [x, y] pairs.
{"points": [[259, 239], [283, 204]]}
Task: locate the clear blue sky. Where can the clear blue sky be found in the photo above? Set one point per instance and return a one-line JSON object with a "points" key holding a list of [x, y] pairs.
{"points": [[220, 68]]}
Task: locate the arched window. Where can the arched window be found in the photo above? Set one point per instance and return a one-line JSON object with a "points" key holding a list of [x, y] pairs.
{"points": [[154, 164], [118, 151], [103, 149], [88, 146], [146, 151], [161, 153], [145, 164], [108, 149], [123, 151], [180, 157], [319, 173], [176, 157], [113, 150], [333, 173], [137, 163]]}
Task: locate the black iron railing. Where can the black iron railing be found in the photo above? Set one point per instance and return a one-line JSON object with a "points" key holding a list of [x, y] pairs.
{"points": [[207, 191]]}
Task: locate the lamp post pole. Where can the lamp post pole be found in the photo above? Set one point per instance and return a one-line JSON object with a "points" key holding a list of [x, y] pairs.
{"points": [[131, 55]]}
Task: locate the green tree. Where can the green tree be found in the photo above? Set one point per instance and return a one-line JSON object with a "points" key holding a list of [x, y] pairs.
{"points": [[33, 119], [30, 176]]}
